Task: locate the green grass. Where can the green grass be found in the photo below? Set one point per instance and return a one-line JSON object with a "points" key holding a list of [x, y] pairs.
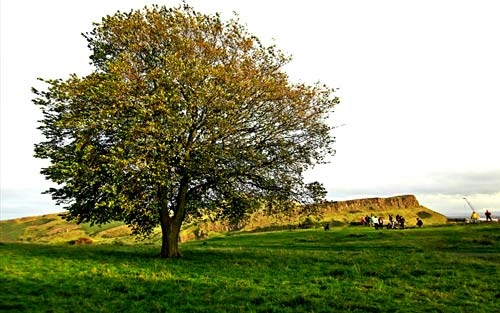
{"points": [[356, 269]]}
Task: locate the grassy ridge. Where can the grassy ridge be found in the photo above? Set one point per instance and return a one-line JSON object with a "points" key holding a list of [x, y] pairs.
{"points": [[52, 228], [433, 269]]}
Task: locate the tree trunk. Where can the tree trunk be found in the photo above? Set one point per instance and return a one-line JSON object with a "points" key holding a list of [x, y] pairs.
{"points": [[171, 225], [170, 230]]}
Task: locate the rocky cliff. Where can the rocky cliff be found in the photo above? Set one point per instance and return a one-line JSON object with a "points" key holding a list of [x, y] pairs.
{"points": [[372, 204]]}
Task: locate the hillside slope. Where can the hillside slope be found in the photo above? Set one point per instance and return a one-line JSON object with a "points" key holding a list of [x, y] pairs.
{"points": [[52, 228]]}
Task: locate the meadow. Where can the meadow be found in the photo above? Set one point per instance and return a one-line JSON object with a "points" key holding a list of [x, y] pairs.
{"points": [[448, 268]]}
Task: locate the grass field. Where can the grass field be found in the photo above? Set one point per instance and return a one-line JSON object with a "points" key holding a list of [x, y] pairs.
{"points": [[452, 268]]}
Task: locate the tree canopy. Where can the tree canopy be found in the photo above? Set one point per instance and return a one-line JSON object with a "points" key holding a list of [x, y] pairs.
{"points": [[183, 111]]}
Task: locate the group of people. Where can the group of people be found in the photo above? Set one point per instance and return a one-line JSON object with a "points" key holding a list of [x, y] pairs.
{"points": [[475, 216], [393, 223]]}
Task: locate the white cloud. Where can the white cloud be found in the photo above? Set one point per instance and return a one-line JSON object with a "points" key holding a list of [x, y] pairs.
{"points": [[418, 85]]}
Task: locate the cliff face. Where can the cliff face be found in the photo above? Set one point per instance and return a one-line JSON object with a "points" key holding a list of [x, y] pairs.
{"points": [[398, 202]]}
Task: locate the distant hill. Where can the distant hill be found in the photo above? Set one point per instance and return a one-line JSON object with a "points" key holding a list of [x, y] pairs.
{"points": [[51, 228]]}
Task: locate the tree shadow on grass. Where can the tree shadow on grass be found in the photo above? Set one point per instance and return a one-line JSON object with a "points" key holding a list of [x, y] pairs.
{"points": [[123, 279], [219, 276], [104, 294], [81, 252]]}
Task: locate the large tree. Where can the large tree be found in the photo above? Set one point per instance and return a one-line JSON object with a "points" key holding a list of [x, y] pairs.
{"points": [[183, 111]]}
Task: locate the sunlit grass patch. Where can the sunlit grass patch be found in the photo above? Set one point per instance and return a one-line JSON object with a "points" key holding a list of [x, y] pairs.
{"points": [[435, 269]]}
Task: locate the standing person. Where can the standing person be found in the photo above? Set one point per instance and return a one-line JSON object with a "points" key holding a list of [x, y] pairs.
{"points": [[419, 222], [402, 222], [392, 223], [374, 221], [488, 216], [381, 222], [474, 217]]}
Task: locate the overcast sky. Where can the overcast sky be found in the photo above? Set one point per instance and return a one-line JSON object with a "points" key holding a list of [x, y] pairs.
{"points": [[418, 82]]}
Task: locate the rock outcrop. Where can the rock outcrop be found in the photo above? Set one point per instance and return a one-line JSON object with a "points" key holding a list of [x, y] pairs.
{"points": [[367, 204]]}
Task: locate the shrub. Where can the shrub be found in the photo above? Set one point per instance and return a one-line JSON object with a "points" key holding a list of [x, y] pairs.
{"points": [[82, 241], [423, 214], [307, 223], [337, 223]]}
